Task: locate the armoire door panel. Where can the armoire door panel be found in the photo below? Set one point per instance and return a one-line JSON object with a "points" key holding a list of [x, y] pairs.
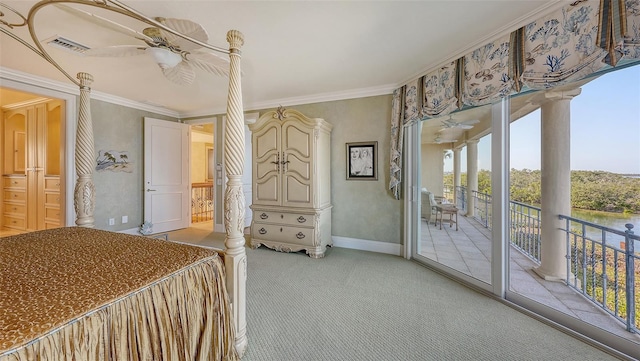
{"points": [[297, 139], [267, 142], [267, 164], [299, 167], [267, 190], [296, 192]]}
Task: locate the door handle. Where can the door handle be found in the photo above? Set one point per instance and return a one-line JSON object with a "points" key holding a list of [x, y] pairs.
{"points": [[150, 190]]}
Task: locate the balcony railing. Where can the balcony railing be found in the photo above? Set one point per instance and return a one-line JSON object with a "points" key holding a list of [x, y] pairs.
{"points": [[604, 268], [603, 271], [524, 224], [482, 208], [201, 202], [461, 198]]}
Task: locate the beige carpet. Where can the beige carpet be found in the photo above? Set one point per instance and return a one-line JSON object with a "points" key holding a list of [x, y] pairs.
{"points": [[355, 305]]}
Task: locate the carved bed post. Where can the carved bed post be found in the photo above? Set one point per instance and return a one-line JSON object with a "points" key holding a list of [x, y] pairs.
{"points": [[234, 207], [84, 196]]}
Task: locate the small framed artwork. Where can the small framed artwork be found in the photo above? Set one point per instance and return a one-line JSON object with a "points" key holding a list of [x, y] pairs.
{"points": [[362, 159]]}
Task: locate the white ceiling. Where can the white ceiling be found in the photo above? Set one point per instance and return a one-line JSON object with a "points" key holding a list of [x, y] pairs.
{"points": [[295, 51]]}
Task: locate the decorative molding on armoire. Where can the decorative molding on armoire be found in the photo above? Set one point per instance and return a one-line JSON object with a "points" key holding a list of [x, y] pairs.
{"points": [[17, 76]]}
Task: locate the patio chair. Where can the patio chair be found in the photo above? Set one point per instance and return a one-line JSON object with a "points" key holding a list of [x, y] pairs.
{"points": [[428, 204]]}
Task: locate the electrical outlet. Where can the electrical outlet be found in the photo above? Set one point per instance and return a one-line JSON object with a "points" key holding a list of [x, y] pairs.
{"points": [[125, 219], [112, 221]]}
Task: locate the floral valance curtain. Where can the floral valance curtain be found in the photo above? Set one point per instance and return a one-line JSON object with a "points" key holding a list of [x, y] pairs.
{"points": [[578, 40], [561, 47], [629, 47]]}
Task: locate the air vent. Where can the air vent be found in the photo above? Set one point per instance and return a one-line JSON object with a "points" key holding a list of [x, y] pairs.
{"points": [[66, 44]]}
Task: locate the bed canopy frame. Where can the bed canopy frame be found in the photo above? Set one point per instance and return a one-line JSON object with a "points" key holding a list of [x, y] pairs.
{"points": [[84, 193]]}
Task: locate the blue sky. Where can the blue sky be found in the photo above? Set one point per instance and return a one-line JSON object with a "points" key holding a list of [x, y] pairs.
{"points": [[605, 129]]}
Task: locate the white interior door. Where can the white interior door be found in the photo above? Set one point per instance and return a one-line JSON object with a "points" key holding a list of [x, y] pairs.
{"points": [[166, 175]]}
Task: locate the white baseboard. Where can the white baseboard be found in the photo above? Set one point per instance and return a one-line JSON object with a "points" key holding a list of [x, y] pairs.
{"points": [[131, 231], [342, 242], [366, 245]]}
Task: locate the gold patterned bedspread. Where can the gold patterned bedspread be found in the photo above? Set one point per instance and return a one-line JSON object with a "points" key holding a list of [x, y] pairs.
{"points": [[61, 281]]}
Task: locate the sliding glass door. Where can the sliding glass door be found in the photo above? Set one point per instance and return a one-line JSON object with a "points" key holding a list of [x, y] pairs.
{"points": [[502, 204], [454, 192]]}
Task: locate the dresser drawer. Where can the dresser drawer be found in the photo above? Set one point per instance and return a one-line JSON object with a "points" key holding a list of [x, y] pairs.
{"points": [[282, 233], [14, 182], [50, 224], [52, 213], [52, 198], [14, 222], [52, 183], [15, 196], [294, 219], [16, 209]]}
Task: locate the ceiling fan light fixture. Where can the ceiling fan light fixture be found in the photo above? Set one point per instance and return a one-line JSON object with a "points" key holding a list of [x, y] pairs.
{"points": [[164, 57]]}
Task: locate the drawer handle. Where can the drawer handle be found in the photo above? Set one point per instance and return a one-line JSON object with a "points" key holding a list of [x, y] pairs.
{"points": [[300, 235], [262, 231], [301, 219], [264, 216]]}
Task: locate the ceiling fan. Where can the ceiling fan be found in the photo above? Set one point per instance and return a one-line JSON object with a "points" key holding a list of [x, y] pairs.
{"points": [[440, 140], [175, 56], [450, 123]]}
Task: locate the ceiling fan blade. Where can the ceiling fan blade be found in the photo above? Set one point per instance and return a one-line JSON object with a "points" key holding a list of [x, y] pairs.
{"points": [[116, 51], [181, 74], [186, 27], [209, 62], [105, 23]]}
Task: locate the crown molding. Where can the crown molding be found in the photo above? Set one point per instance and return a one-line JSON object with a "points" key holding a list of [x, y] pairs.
{"points": [[307, 99], [25, 103], [33, 80], [543, 10]]}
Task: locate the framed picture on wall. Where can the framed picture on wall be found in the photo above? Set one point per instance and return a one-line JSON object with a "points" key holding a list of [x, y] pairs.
{"points": [[362, 161]]}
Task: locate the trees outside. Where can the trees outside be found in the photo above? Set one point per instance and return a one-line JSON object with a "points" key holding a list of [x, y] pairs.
{"points": [[591, 190]]}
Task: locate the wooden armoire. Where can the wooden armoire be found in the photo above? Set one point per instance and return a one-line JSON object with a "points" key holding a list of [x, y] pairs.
{"points": [[31, 165], [291, 200]]}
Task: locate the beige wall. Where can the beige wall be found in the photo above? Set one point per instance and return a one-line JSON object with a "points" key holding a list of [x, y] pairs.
{"points": [[361, 209], [199, 161], [432, 169], [118, 194]]}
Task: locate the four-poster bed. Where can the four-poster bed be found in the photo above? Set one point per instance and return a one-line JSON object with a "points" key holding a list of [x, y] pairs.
{"points": [[229, 265]]}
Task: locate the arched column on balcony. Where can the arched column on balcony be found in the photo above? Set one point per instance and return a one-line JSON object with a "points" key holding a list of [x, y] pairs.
{"points": [[556, 181], [456, 174], [472, 174]]}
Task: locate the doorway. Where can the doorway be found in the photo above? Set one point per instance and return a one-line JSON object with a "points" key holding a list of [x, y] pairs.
{"points": [[32, 163], [204, 172]]}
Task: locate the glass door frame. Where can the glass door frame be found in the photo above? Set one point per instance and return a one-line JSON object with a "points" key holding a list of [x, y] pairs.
{"points": [[499, 183], [500, 252]]}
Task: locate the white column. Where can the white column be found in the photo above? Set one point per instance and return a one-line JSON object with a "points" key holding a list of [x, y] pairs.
{"points": [[235, 258], [556, 182], [472, 174], [456, 173], [84, 199]]}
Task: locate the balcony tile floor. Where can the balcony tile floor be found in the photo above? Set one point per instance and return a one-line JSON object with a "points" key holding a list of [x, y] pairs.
{"points": [[468, 250]]}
